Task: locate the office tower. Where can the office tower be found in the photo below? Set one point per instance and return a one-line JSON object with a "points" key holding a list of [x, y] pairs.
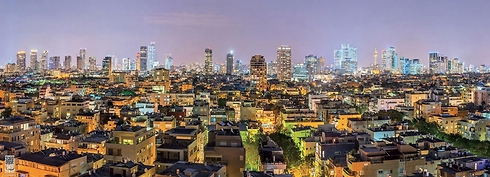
{"points": [[272, 69], [375, 56], [151, 56], [54, 62], [392, 60], [43, 64], [416, 67], [34, 63], [300, 73], [238, 66], [321, 65], [21, 61], [107, 65], [80, 63], [168, 62], [433, 62], [208, 61], [483, 69], [126, 64], [229, 63], [137, 62], [346, 59], [405, 64], [384, 64], [284, 68], [143, 58], [258, 72], [83, 54], [93, 63], [311, 63], [67, 63]]}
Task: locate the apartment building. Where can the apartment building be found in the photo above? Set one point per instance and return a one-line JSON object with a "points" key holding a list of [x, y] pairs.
{"points": [[225, 147], [187, 169], [272, 157], [131, 142], [68, 141], [94, 143], [52, 162], [21, 130]]}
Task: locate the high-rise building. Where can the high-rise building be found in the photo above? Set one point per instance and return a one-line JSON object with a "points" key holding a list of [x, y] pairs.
{"points": [[321, 65], [143, 58], [311, 63], [404, 65], [132, 64], [34, 63], [416, 67], [151, 56], [93, 63], [168, 62], [284, 67], [21, 61], [126, 64], [107, 65], [258, 72], [43, 64], [83, 54], [345, 59], [392, 60], [384, 63], [67, 63], [272, 69], [80, 63], [229, 63], [137, 62], [208, 61], [54, 62], [433, 62]]}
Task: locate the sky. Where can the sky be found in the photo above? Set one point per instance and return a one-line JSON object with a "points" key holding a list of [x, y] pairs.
{"points": [[184, 28]]}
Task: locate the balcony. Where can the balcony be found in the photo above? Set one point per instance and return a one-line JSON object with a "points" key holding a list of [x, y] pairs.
{"points": [[347, 172]]}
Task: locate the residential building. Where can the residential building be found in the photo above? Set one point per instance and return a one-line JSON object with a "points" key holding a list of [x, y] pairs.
{"points": [[133, 142]]}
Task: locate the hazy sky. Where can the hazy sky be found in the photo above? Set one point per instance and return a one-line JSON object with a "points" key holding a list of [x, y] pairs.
{"points": [[184, 28]]}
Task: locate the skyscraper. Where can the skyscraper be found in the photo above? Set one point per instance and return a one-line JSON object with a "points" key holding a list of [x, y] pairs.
{"points": [[433, 62], [34, 63], [83, 54], [107, 65], [229, 63], [311, 63], [54, 62], [151, 56], [208, 61], [67, 63], [126, 64], [168, 62], [93, 63], [321, 65], [143, 59], [392, 60], [346, 59], [21, 61], [284, 67], [43, 64], [384, 63], [138, 62], [80, 63], [258, 72]]}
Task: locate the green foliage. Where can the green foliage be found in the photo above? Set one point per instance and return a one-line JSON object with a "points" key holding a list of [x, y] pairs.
{"points": [[361, 109], [292, 153], [222, 102], [480, 148], [392, 114], [7, 112]]}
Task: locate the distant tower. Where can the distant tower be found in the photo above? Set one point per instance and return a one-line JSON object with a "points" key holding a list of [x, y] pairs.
{"points": [[375, 57], [229, 63], [284, 68], [107, 65], [93, 63], [151, 56], [143, 58], [83, 55], [126, 64], [21, 61], [168, 62], [80, 63], [138, 62], [43, 64], [67, 62], [258, 72], [208, 61], [34, 63]]}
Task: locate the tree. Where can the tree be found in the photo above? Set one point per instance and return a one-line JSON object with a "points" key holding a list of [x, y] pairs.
{"points": [[292, 153], [222, 102], [392, 114], [361, 109], [7, 112]]}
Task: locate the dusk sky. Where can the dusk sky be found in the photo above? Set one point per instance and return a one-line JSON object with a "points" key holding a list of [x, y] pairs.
{"points": [[185, 28]]}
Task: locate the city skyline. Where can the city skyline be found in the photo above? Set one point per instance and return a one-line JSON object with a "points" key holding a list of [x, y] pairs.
{"points": [[186, 28]]}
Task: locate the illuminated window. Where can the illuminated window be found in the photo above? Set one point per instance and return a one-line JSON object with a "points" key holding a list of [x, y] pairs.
{"points": [[127, 142]]}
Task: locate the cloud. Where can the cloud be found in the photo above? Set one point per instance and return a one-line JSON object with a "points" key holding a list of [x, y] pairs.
{"points": [[190, 20]]}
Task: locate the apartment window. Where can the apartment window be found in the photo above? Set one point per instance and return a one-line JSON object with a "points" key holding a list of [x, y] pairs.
{"points": [[380, 171], [110, 151], [241, 158], [128, 142], [222, 143], [119, 152]]}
